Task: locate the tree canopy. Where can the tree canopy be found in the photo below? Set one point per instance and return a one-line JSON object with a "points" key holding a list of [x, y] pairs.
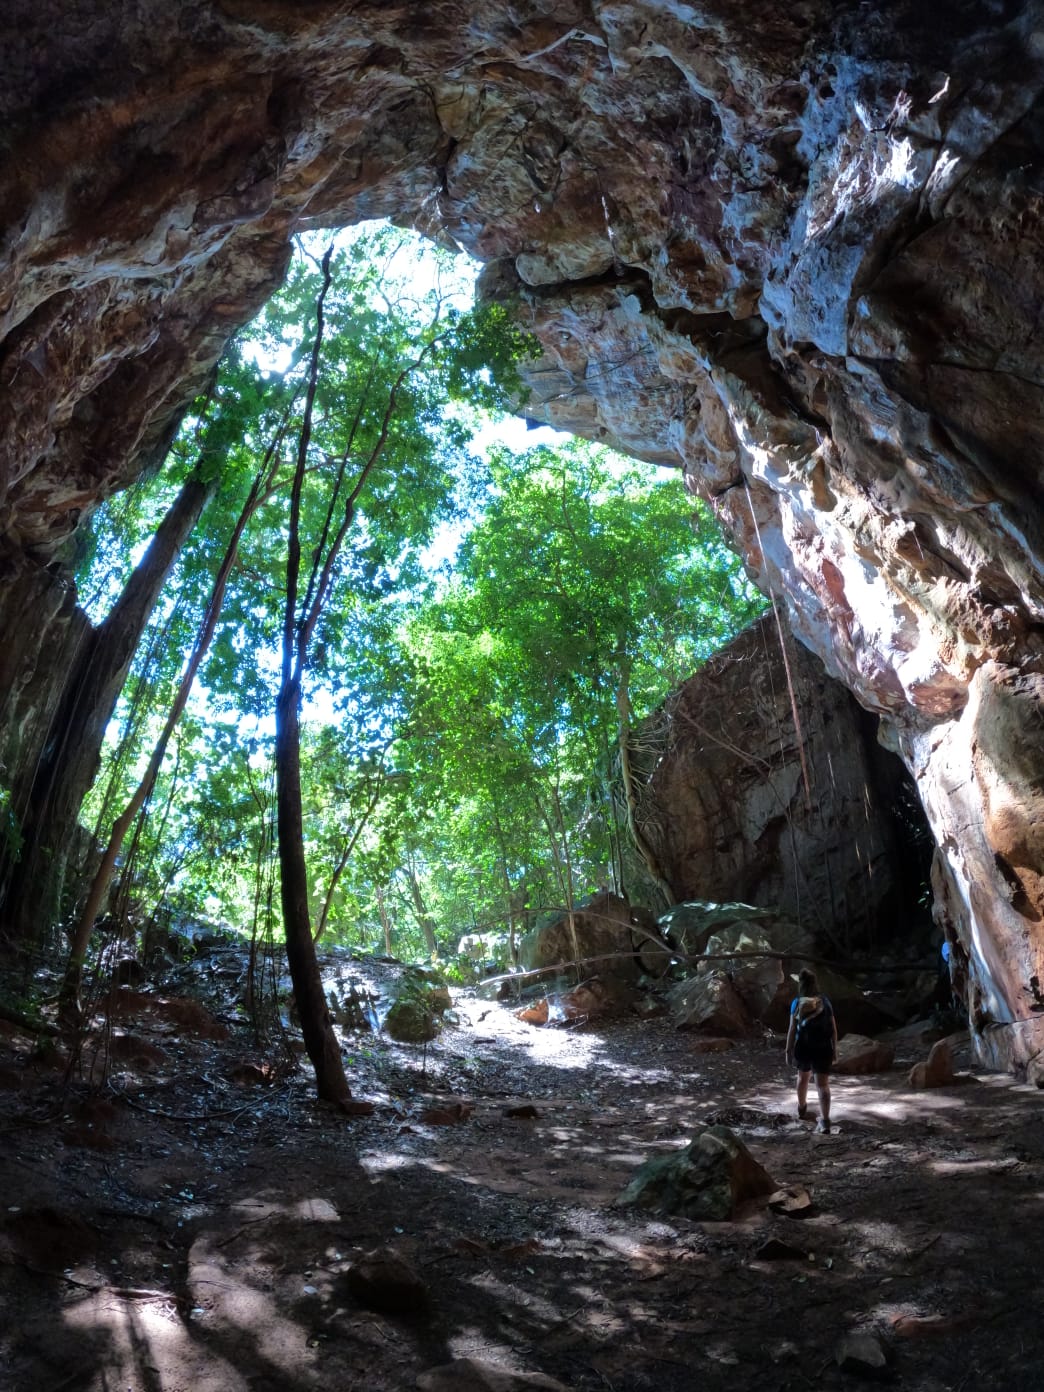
{"points": [[461, 726]]}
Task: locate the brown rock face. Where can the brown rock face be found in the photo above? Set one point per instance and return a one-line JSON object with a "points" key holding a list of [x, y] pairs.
{"points": [[795, 251], [762, 782]]}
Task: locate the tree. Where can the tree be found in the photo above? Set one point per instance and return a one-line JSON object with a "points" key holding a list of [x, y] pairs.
{"points": [[374, 399], [581, 596], [103, 875]]}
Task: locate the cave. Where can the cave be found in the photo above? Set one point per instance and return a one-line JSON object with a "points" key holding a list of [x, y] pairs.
{"points": [[793, 253]]}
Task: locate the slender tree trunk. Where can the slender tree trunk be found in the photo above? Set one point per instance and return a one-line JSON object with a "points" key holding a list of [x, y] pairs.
{"points": [[420, 909], [100, 885], [346, 853], [320, 1039], [382, 909], [49, 808]]}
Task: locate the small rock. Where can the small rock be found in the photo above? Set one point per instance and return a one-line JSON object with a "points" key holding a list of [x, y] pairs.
{"points": [[450, 1115], [589, 1000], [534, 1014], [383, 1281], [793, 1202], [128, 971], [863, 1355]]}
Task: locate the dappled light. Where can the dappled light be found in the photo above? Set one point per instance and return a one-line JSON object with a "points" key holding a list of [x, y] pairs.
{"points": [[508, 1218]]}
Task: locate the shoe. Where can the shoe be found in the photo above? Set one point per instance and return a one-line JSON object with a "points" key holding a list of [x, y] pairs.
{"points": [[823, 1127], [802, 1114]]}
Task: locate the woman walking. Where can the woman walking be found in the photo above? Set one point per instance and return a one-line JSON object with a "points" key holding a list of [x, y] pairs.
{"points": [[812, 1045]]}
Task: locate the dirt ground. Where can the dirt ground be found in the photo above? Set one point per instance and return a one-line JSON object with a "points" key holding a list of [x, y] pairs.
{"points": [[190, 1225]]}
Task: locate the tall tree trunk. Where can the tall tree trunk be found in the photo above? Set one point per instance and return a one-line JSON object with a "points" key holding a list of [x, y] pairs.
{"points": [[320, 1039], [49, 807], [301, 614], [103, 876]]}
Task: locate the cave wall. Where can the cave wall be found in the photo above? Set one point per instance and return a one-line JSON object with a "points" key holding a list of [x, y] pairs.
{"points": [[761, 781], [794, 251]]}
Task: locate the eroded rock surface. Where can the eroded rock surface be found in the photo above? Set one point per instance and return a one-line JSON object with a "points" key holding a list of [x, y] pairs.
{"points": [[795, 252], [761, 780]]}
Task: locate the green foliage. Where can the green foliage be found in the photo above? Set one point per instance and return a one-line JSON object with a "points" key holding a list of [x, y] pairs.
{"points": [[460, 730]]}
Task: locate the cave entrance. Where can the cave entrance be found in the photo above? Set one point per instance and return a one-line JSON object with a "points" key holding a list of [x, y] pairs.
{"points": [[506, 605]]}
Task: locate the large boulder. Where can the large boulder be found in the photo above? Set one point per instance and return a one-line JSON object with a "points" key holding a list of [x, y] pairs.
{"points": [[710, 1003], [857, 1011], [857, 1054], [654, 952], [420, 999], [937, 1070], [710, 1179], [597, 933], [763, 982], [689, 927]]}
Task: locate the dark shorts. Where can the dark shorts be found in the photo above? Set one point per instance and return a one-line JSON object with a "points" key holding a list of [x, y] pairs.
{"points": [[814, 1060]]}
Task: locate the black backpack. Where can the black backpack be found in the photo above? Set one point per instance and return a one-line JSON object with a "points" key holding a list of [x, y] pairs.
{"points": [[815, 1023]]}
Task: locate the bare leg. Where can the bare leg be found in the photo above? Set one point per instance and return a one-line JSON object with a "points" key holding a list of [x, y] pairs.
{"points": [[802, 1089], [823, 1088]]}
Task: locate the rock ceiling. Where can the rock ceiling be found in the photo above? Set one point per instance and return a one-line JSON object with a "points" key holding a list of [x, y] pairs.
{"points": [[794, 251]]}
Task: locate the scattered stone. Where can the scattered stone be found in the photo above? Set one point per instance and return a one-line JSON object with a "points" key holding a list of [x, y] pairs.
{"points": [[713, 1045], [863, 1355], [748, 1118], [472, 1375], [937, 1071], [710, 1003], [927, 1326], [857, 1054], [525, 1112], [777, 1250], [451, 1115], [710, 1179], [383, 1281], [537, 1014], [795, 1201]]}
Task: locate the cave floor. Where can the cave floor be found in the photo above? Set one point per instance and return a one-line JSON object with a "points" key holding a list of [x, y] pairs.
{"points": [[188, 1226]]}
